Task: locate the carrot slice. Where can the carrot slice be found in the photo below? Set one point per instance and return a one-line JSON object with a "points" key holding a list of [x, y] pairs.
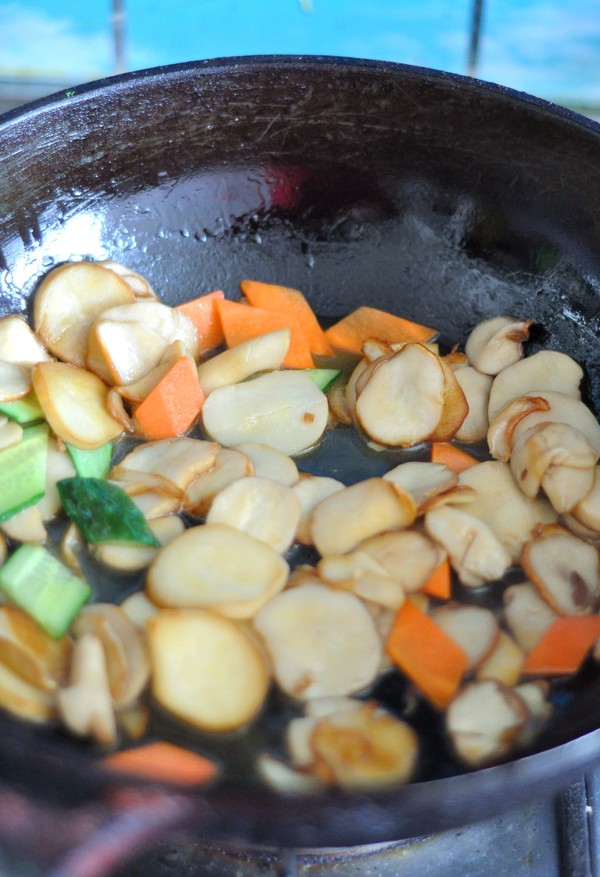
{"points": [[292, 304], [204, 315], [241, 322], [164, 762], [563, 647], [439, 583], [352, 331], [172, 406], [426, 654], [452, 457]]}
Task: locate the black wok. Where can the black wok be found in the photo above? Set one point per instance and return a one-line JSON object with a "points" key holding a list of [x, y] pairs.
{"points": [[441, 198]]}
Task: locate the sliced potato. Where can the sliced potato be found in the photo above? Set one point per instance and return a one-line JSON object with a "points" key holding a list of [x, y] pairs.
{"points": [[474, 628], [345, 518], [74, 403], [206, 669], [26, 526], [230, 465], [563, 409], [539, 709], [59, 465], [475, 552], [484, 722], [565, 570], [177, 461], [18, 343], [503, 507], [24, 700], [504, 662], [138, 284], [402, 401], [285, 779], [364, 749], [476, 388], [497, 343], [587, 510], [322, 642], [30, 652], [422, 480], [456, 407], [268, 462], [217, 567], [132, 558], [85, 705], [546, 370], [139, 609], [11, 433], [15, 381], [361, 575], [283, 409], [265, 509], [407, 556], [502, 428], [311, 490], [264, 353], [67, 302], [527, 614]]}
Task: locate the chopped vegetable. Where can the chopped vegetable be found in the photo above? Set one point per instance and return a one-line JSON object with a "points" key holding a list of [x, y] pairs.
{"points": [[429, 657], [173, 405], [439, 583], [23, 471], [34, 580], [263, 353], [93, 463], [24, 410], [292, 304], [103, 512], [242, 322], [204, 314], [561, 650], [163, 762], [454, 458], [350, 333], [323, 377]]}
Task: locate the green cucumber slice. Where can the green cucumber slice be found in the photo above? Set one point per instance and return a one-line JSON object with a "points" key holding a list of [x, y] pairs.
{"points": [[23, 471], [323, 377], [94, 463], [39, 584], [25, 410], [103, 512]]}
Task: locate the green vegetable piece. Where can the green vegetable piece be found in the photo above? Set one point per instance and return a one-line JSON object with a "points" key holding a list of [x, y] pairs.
{"points": [[23, 471], [323, 377], [94, 463], [103, 512], [25, 410], [36, 581]]}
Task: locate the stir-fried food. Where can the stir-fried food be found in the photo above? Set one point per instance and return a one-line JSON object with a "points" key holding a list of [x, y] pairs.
{"points": [[177, 449]]}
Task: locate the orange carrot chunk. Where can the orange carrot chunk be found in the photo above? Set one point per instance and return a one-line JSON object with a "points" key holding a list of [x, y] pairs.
{"points": [[351, 332], [204, 314], [439, 583], [426, 654], [563, 647], [173, 405], [241, 322], [163, 762], [292, 304], [452, 457]]}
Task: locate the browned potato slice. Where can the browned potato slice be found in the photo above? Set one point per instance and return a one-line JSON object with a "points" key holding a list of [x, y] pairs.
{"points": [[74, 403], [402, 401], [216, 567], [546, 370], [563, 409], [139, 609], [422, 480], [365, 749], [178, 461], [504, 661], [474, 628], [527, 614], [407, 556], [230, 465], [347, 517], [265, 509], [565, 570], [30, 652], [138, 284], [496, 343], [26, 526], [587, 510], [268, 462], [502, 428], [19, 344], [127, 662], [322, 642], [475, 552], [456, 407], [85, 705], [23, 699], [503, 507], [15, 381], [484, 722], [206, 669], [67, 302], [363, 576]]}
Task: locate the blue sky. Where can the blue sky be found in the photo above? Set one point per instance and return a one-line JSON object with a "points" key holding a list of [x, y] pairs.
{"points": [[546, 47]]}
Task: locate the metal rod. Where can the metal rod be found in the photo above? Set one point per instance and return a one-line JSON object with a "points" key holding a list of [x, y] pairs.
{"points": [[476, 18], [118, 30]]}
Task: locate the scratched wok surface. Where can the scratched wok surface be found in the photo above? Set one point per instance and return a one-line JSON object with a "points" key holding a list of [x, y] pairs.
{"points": [[440, 198]]}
